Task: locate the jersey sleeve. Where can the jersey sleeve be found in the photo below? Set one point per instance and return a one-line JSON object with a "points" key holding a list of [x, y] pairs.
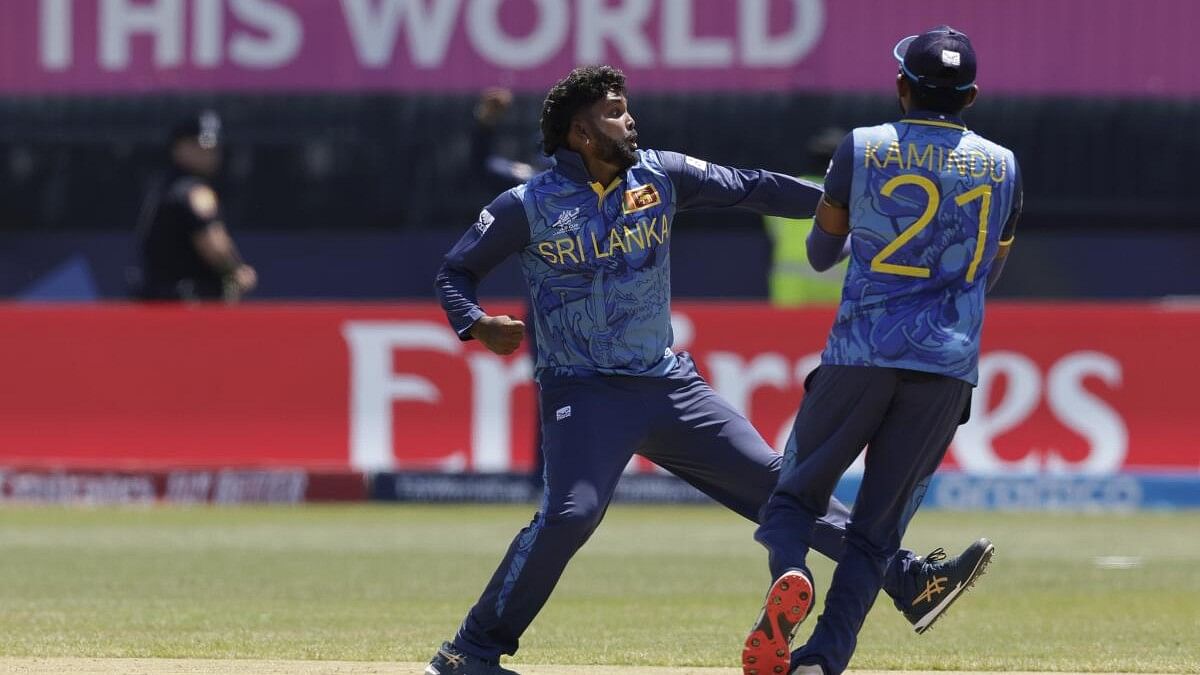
{"points": [[1010, 224], [839, 173], [701, 184], [501, 230]]}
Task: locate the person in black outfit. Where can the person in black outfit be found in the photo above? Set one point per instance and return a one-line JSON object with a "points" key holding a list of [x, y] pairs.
{"points": [[185, 249]]}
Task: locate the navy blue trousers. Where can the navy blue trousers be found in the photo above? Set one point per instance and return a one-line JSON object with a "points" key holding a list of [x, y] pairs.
{"points": [[591, 428], [908, 419]]}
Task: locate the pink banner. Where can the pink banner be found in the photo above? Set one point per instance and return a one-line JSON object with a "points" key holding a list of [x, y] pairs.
{"points": [[1105, 47]]}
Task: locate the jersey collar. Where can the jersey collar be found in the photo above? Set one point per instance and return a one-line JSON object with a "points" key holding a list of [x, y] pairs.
{"points": [[570, 164], [935, 119]]}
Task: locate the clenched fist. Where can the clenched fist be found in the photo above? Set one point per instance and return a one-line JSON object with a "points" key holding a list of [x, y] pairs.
{"points": [[500, 334]]}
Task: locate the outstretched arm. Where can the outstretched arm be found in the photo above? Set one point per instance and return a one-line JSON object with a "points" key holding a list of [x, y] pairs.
{"points": [[502, 229], [701, 184], [829, 241]]}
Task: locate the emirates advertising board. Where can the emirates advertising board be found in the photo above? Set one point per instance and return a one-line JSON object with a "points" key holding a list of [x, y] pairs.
{"points": [[1083, 405]]}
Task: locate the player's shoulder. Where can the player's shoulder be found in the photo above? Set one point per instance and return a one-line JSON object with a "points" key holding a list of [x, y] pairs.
{"points": [[872, 132], [195, 194], [651, 156], [991, 147], [659, 161], [542, 185], [554, 184], [862, 139], [507, 209], [548, 178], [509, 202], [992, 144], [203, 200], [180, 187], [671, 163]]}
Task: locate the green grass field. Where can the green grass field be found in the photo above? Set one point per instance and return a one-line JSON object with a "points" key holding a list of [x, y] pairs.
{"points": [[656, 585]]}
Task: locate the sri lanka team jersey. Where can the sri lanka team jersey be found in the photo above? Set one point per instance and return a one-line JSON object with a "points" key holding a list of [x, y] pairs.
{"points": [[928, 201], [597, 257]]}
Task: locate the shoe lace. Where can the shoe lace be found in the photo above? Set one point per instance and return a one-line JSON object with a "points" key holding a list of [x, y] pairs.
{"points": [[936, 555], [453, 660]]}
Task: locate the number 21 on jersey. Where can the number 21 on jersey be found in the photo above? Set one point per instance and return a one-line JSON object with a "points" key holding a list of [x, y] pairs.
{"points": [[984, 192]]}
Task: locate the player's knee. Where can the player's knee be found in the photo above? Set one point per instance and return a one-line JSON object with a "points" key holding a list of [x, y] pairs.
{"points": [[577, 520]]}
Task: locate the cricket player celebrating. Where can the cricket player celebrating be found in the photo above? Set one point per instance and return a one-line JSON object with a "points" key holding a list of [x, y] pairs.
{"points": [[932, 208], [593, 234]]}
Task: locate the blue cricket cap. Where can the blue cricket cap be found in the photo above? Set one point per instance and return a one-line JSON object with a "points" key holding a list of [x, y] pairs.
{"points": [[939, 58]]}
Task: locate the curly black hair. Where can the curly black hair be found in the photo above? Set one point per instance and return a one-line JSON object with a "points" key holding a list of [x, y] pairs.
{"points": [[583, 87]]}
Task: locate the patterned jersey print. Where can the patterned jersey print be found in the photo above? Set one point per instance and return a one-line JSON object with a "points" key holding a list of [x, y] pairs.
{"points": [[928, 201]]}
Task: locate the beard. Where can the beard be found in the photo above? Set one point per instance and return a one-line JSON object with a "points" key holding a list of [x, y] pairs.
{"points": [[618, 152]]}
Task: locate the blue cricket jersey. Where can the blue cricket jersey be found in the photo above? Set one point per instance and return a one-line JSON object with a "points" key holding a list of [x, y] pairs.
{"points": [[597, 257], [930, 202]]}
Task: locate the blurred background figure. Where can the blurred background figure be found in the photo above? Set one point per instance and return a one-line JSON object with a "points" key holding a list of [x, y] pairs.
{"points": [[793, 282], [185, 249], [495, 170]]}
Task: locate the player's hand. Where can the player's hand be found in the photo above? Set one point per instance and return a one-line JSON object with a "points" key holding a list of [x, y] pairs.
{"points": [[245, 277], [239, 282], [500, 334], [492, 105]]}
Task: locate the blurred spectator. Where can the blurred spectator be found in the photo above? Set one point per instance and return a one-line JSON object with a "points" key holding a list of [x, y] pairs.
{"points": [[495, 171], [793, 281], [185, 249]]}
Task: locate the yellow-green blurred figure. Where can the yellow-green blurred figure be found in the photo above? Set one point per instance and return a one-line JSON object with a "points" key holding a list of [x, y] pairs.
{"points": [[793, 282]]}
